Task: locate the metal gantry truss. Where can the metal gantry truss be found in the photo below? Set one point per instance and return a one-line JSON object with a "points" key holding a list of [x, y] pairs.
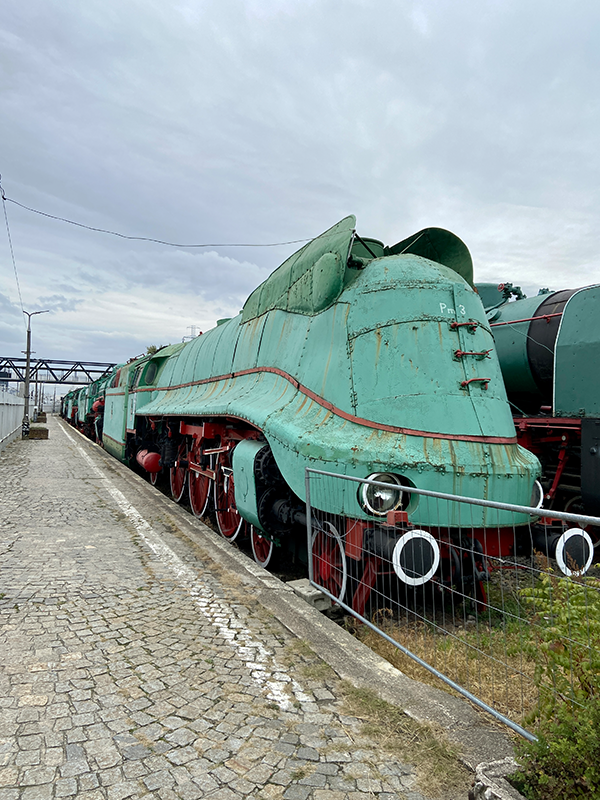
{"points": [[50, 370]]}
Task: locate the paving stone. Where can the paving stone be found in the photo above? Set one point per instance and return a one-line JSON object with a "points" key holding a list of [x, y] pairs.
{"points": [[368, 785], [8, 776], [157, 780], [28, 758], [189, 791], [136, 752], [206, 783], [37, 792], [65, 787], [118, 791], [316, 779], [182, 755], [217, 755], [308, 753], [37, 775], [274, 759], [296, 793], [182, 736], [223, 774], [343, 783], [108, 777], [87, 782], [103, 753], [29, 742], [327, 769]]}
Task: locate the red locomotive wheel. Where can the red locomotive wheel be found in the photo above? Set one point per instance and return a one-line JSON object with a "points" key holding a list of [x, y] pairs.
{"points": [[262, 547], [329, 560], [199, 487], [178, 473], [229, 520]]}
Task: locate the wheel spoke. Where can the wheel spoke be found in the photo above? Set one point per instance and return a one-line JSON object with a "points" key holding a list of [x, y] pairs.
{"points": [[262, 547], [229, 520], [199, 486], [178, 473], [329, 560]]}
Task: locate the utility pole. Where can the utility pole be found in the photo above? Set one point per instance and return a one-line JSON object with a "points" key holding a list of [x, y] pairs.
{"points": [[25, 424], [193, 329]]}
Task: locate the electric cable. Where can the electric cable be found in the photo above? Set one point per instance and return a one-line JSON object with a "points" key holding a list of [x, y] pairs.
{"points": [[10, 244], [147, 238]]}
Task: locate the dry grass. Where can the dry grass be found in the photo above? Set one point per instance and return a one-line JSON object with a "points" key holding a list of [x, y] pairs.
{"points": [[319, 671], [439, 771], [490, 662], [386, 727]]}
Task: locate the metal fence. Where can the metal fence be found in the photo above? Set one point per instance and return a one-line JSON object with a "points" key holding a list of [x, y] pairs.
{"points": [[11, 416], [506, 613]]}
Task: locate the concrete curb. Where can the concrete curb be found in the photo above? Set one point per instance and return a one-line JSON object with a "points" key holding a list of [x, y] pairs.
{"points": [[490, 781], [480, 741]]}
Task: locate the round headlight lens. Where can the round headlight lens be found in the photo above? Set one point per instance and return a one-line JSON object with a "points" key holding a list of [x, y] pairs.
{"points": [[378, 500]]}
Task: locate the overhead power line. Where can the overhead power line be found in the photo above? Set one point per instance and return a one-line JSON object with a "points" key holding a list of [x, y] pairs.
{"points": [[10, 244], [146, 238]]}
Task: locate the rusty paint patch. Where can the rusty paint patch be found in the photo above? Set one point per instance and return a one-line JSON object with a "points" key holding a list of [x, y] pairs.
{"points": [[377, 344]]}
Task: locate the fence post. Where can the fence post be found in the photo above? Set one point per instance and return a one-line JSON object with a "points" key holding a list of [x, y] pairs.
{"points": [[308, 524]]}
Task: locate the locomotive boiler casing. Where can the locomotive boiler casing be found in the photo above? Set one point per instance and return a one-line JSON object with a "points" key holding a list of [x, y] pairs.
{"points": [[548, 346], [359, 365]]}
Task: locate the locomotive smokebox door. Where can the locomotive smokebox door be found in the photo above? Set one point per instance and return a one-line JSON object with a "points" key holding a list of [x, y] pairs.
{"points": [[590, 465]]}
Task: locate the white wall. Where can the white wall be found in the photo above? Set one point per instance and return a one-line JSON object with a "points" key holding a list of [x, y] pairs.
{"points": [[11, 416]]}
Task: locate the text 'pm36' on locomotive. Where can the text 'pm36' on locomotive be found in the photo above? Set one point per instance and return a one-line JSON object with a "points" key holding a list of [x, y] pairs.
{"points": [[363, 360]]}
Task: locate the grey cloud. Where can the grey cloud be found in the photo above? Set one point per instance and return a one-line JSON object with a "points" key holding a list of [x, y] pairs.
{"points": [[57, 302], [9, 309]]}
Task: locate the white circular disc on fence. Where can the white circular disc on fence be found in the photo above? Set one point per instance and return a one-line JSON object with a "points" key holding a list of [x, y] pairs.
{"points": [[562, 555], [537, 495], [400, 569]]}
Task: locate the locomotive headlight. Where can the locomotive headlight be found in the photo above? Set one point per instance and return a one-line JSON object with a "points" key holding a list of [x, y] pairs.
{"points": [[378, 500]]}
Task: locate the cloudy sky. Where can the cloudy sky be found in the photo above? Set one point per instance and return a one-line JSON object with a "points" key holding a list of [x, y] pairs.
{"points": [[260, 121]]}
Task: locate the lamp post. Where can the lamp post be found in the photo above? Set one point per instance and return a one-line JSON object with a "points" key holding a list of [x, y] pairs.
{"points": [[25, 424]]}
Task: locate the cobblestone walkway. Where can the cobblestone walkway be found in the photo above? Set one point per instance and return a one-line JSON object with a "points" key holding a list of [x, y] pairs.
{"points": [[128, 670]]}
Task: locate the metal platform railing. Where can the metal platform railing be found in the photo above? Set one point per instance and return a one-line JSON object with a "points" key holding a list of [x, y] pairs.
{"points": [[506, 614]]}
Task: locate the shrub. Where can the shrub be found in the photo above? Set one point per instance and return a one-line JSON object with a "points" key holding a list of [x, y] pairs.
{"points": [[565, 761], [565, 640], [564, 764]]}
